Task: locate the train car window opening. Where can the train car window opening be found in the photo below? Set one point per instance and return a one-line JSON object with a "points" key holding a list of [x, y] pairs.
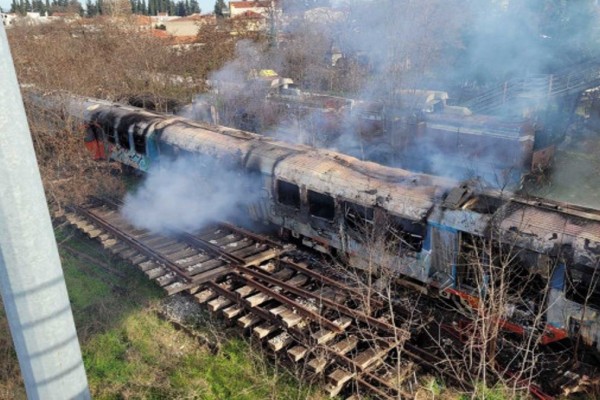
{"points": [[321, 205], [139, 141], [111, 134], [288, 194], [357, 217], [583, 285], [408, 234], [123, 135], [574, 326], [523, 280]]}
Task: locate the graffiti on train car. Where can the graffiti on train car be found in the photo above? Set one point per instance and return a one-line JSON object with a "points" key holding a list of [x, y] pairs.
{"points": [[128, 157]]}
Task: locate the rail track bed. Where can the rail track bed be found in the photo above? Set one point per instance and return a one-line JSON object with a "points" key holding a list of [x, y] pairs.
{"points": [[300, 311], [277, 295], [176, 262]]}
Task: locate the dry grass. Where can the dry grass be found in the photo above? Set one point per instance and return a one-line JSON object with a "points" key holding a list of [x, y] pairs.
{"points": [[69, 174], [96, 59], [113, 60]]}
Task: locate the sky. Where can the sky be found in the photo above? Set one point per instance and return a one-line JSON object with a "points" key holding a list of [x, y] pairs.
{"points": [[205, 5]]}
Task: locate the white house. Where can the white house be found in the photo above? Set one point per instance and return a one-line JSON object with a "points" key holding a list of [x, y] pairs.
{"points": [[237, 8]]}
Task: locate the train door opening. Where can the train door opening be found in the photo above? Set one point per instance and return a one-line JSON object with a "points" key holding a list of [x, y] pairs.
{"points": [[321, 205], [472, 258], [405, 235], [123, 137], [139, 140], [444, 248], [111, 133]]}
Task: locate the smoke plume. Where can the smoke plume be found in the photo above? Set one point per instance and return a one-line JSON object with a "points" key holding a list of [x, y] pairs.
{"points": [[188, 194], [386, 52]]}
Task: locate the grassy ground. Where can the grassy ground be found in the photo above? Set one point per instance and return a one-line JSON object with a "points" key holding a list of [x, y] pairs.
{"points": [[131, 353], [11, 385]]}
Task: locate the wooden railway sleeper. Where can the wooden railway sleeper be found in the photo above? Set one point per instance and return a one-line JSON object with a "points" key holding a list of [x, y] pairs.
{"points": [[257, 238], [362, 374], [285, 339], [136, 244], [390, 329], [285, 300], [331, 282], [297, 334]]}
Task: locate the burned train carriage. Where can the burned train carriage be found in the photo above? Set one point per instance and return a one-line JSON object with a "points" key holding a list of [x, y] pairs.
{"points": [[443, 238]]}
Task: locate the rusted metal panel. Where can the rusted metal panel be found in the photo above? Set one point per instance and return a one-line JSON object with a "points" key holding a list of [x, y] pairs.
{"points": [[544, 230]]}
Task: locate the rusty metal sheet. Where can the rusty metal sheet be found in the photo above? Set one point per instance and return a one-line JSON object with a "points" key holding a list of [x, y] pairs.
{"points": [[543, 230], [547, 224]]}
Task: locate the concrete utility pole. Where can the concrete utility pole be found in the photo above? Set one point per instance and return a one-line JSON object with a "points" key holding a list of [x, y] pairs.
{"points": [[31, 279]]}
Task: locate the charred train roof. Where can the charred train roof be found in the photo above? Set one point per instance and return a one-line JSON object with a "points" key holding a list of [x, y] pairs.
{"points": [[535, 225], [401, 192]]}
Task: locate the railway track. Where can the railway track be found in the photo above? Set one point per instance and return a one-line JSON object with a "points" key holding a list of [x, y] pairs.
{"points": [[299, 309], [296, 309], [175, 265]]}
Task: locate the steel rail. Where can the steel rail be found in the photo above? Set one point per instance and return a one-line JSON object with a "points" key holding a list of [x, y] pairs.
{"points": [[296, 333], [287, 301], [256, 237], [360, 316], [211, 248], [239, 265], [343, 359], [116, 204], [329, 281], [360, 372], [432, 362], [136, 244]]}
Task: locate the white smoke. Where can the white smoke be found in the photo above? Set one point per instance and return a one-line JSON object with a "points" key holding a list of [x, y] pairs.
{"points": [[462, 47], [188, 194]]}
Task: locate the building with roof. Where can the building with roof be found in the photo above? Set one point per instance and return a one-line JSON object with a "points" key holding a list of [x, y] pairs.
{"points": [[188, 26], [237, 8]]}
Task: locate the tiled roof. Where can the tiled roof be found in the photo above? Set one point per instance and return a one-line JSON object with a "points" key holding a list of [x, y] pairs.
{"points": [[249, 4], [250, 15]]}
